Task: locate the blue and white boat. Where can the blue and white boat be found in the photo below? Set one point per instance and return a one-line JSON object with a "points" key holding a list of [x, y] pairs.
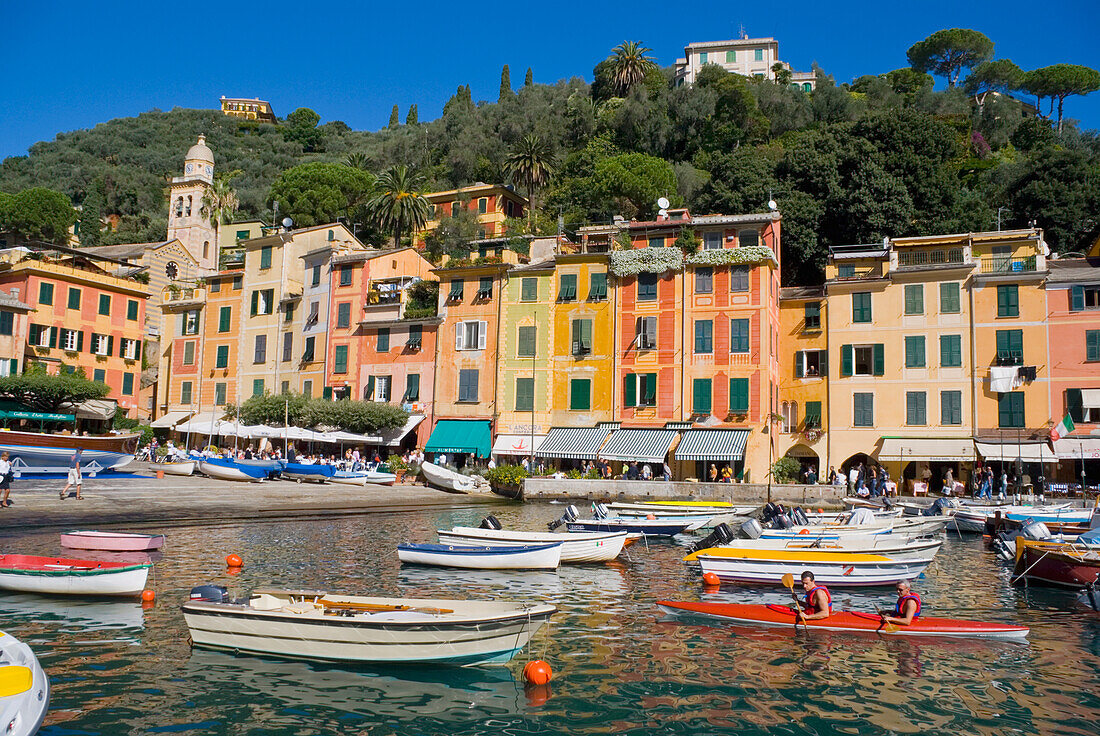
{"points": [[362, 477], [314, 472], [230, 470], [545, 556]]}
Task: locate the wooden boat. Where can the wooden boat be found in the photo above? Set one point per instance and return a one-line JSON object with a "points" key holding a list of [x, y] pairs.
{"points": [[1055, 563], [896, 546], [832, 568], [24, 688], [186, 467], [448, 480], [230, 470], [318, 626], [854, 621], [60, 576], [313, 473], [34, 452], [112, 541], [545, 556], [649, 527], [575, 546]]}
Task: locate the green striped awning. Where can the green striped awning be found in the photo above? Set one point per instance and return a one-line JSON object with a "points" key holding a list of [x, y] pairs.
{"points": [[573, 443], [713, 444], [643, 445], [461, 435]]}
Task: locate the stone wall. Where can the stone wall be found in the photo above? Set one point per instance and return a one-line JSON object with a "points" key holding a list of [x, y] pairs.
{"points": [[636, 490]]}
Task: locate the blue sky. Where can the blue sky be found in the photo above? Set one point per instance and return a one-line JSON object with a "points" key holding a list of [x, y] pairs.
{"points": [[79, 63]]}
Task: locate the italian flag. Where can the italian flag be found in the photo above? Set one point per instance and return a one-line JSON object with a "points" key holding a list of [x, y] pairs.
{"points": [[1061, 429]]}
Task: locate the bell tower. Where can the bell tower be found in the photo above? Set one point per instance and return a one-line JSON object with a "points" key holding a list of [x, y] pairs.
{"points": [[186, 219]]}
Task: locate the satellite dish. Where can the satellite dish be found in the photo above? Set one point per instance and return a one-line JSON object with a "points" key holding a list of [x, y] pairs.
{"points": [[662, 213], [287, 222], [772, 205], [663, 203]]}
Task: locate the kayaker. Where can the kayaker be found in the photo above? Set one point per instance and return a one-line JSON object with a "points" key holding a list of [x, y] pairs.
{"points": [[818, 602], [907, 608]]}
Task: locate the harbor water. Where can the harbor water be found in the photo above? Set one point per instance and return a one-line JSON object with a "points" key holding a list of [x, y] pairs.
{"points": [[619, 666]]}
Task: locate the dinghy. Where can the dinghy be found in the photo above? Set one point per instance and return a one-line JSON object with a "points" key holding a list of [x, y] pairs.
{"points": [[362, 477], [186, 467], [59, 576], [831, 568], [575, 546], [545, 556], [24, 688], [448, 480], [312, 473], [230, 470], [112, 541]]}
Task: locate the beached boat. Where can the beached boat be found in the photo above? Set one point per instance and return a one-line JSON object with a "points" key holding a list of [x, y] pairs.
{"points": [[60, 576], [312, 473], [33, 452], [316, 625], [230, 470], [544, 556], [186, 467], [24, 688], [841, 569], [448, 480], [575, 546], [854, 621], [1055, 563], [362, 477], [112, 541]]}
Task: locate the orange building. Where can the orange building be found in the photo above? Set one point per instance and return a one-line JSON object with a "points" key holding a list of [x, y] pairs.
{"points": [[13, 331], [493, 204]]}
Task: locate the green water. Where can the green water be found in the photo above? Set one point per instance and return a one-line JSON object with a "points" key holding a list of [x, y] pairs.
{"points": [[618, 666]]}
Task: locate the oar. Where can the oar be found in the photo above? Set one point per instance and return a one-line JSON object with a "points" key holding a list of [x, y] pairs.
{"points": [[352, 606], [886, 626], [788, 581]]}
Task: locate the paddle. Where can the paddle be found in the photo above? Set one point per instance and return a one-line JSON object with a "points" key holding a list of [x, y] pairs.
{"points": [[788, 581], [886, 626]]}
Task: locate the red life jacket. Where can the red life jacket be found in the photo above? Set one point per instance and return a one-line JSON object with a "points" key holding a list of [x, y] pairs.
{"points": [[898, 608], [810, 606]]}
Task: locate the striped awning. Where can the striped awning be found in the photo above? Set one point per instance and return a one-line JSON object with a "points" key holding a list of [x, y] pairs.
{"points": [[574, 443], [642, 445], [713, 444]]}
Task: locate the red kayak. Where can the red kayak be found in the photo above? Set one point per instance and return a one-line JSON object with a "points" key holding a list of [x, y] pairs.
{"points": [[776, 615]]}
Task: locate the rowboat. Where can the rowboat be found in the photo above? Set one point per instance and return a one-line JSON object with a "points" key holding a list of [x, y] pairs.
{"points": [[921, 526], [186, 467], [60, 576], [24, 688], [971, 517], [649, 527], [448, 480], [318, 626], [679, 508], [896, 547], [230, 470], [855, 621], [112, 541], [842, 569], [313, 473], [362, 477], [545, 556], [575, 546], [1054, 563], [1066, 521]]}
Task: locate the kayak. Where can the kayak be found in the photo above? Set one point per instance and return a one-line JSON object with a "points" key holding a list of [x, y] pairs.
{"points": [[858, 621]]}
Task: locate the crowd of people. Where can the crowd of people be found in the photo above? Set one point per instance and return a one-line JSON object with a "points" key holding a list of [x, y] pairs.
{"points": [[353, 459]]}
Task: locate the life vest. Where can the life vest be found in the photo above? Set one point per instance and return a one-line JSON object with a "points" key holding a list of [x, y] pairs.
{"points": [[898, 612], [811, 607]]}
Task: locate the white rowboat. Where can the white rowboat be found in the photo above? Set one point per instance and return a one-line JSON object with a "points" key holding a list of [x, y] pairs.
{"points": [[575, 546], [25, 693], [545, 556], [58, 576], [186, 467]]}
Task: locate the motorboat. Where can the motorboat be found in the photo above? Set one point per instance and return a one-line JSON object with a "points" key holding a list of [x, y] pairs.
{"points": [[221, 469], [308, 472], [183, 467], [24, 688], [1067, 521], [830, 567], [684, 508], [971, 517], [341, 628], [897, 547], [60, 576], [112, 541], [575, 546], [448, 480], [542, 556], [1059, 564]]}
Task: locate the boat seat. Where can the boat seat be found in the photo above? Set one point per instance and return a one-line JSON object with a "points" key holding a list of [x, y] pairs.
{"points": [[301, 607]]}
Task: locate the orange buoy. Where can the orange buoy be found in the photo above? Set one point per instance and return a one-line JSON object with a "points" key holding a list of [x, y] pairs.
{"points": [[650, 517], [232, 571], [821, 511], [537, 672], [234, 560], [711, 580], [148, 596]]}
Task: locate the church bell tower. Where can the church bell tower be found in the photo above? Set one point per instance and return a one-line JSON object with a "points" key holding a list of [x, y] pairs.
{"points": [[186, 219]]}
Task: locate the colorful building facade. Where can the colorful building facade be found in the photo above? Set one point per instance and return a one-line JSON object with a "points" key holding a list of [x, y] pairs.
{"points": [[492, 203]]}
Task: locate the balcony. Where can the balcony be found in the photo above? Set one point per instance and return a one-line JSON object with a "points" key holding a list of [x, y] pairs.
{"points": [[174, 297], [936, 257], [1007, 264]]}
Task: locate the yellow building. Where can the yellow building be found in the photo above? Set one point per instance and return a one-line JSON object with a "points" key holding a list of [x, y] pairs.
{"points": [[231, 237], [493, 204], [248, 109], [803, 378]]}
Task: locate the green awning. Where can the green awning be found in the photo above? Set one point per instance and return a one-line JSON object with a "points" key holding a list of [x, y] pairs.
{"points": [[37, 416], [461, 435]]}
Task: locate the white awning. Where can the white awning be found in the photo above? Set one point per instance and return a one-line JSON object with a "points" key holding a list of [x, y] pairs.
{"points": [[393, 437], [1090, 398], [1034, 452], [1075, 448], [938, 450], [516, 444], [101, 410], [170, 419]]}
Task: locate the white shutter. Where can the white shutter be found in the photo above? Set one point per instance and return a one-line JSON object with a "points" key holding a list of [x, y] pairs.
{"points": [[482, 333], [460, 335]]}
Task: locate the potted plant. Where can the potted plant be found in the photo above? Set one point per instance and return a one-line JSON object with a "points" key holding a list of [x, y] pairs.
{"points": [[398, 466], [507, 480]]}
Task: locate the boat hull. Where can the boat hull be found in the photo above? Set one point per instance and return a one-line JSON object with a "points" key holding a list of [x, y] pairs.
{"points": [[448, 480], [229, 470], [1056, 564], [654, 528], [882, 544], [184, 468], [837, 569], [483, 557], [112, 541], [575, 547], [27, 459], [58, 576], [783, 616], [22, 710]]}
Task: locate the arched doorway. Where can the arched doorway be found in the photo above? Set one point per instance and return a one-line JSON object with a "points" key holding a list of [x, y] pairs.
{"points": [[807, 459]]}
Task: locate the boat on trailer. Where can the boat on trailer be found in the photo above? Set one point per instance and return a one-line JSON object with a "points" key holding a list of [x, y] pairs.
{"points": [[185, 467], [230, 470], [308, 472]]}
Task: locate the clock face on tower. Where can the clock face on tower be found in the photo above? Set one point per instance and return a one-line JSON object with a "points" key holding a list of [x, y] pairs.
{"points": [[190, 168], [209, 170]]}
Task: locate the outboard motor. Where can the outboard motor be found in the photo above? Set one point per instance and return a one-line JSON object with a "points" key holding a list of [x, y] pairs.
{"points": [[210, 594], [599, 510], [752, 529], [1091, 596], [936, 509], [783, 522], [799, 517], [1036, 530], [489, 522], [1004, 549], [769, 512], [722, 534], [569, 515]]}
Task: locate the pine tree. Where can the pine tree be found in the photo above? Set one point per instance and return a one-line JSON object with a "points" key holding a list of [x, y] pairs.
{"points": [[91, 213], [505, 84], [411, 117], [529, 79], [395, 118]]}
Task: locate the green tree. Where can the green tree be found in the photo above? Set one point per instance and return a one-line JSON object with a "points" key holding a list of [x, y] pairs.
{"points": [[302, 127], [505, 85], [782, 74], [271, 409], [220, 202], [633, 182], [364, 417], [532, 163], [1059, 81], [907, 81], [40, 391], [452, 237], [317, 193], [412, 117], [529, 78], [630, 62], [946, 53], [1060, 190], [1000, 75], [357, 160], [303, 117], [38, 214], [91, 215], [395, 118], [397, 206]]}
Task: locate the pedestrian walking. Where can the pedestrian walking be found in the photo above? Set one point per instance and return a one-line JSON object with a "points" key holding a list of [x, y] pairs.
{"points": [[74, 476], [5, 479]]}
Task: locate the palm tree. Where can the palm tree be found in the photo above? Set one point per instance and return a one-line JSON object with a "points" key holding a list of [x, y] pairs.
{"points": [[396, 204], [532, 164], [629, 65], [357, 160], [220, 201]]}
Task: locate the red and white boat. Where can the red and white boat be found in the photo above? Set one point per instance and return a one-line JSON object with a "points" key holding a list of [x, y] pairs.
{"points": [[112, 541], [61, 576]]}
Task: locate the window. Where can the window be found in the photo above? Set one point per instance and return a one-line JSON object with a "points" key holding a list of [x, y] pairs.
{"points": [[703, 58], [343, 314], [758, 54], [640, 389], [529, 290], [646, 333], [731, 57], [484, 288], [525, 394], [739, 335], [7, 322], [456, 207], [1010, 410], [949, 298], [470, 335], [1084, 297], [863, 410], [950, 351], [951, 407], [225, 315], [712, 240], [1008, 300], [914, 298], [789, 413], [813, 415], [810, 363], [260, 349], [647, 287], [582, 336], [221, 357], [861, 306], [845, 271], [862, 360], [704, 337], [238, 282], [189, 352], [812, 312], [219, 394], [307, 389], [657, 242], [171, 270], [383, 343], [265, 257], [1010, 347], [45, 293], [467, 385], [317, 275], [74, 299], [345, 275], [416, 337], [1092, 345], [412, 388], [185, 392], [242, 235], [288, 346], [915, 408], [288, 311], [70, 340], [701, 396], [263, 302], [704, 280], [314, 313], [739, 395], [308, 350], [748, 239], [914, 351], [340, 359], [597, 287], [101, 344], [739, 278], [189, 322], [526, 342], [482, 205], [455, 294], [41, 336], [99, 375], [580, 394], [567, 292], [127, 384], [258, 387], [382, 389]]}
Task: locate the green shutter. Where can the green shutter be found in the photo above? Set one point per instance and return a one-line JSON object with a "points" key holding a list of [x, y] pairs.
{"points": [[813, 414], [799, 360], [847, 360], [701, 396], [649, 388], [1092, 345], [950, 351], [914, 299], [127, 384], [586, 334], [529, 290], [53, 337], [224, 317], [739, 395], [1008, 301], [222, 358], [526, 347], [597, 288], [1075, 405], [630, 389], [1077, 298], [739, 335], [265, 257], [914, 352], [369, 393], [382, 344], [525, 394], [915, 408], [412, 387], [80, 341], [258, 387], [105, 304], [704, 342], [255, 302], [99, 375], [340, 359], [568, 287], [880, 359], [580, 394], [1010, 410], [74, 299], [861, 307], [949, 298]]}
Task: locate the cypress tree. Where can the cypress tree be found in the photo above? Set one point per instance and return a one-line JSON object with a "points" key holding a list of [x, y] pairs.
{"points": [[91, 211], [505, 84], [411, 117], [529, 79], [394, 117]]}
